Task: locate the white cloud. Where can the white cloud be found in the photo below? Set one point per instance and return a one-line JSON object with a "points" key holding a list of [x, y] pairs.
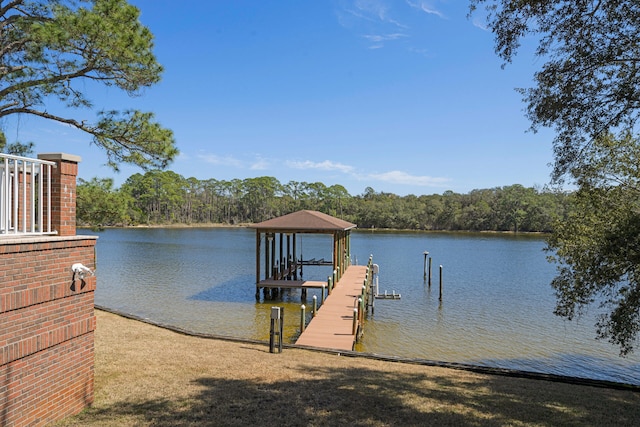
{"points": [[220, 160], [347, 18], [381, 38], [372, 7], [422, 52], [370, 11], [182, 157], [260, 164], [326, 165], [426, 7], [479, 23], [393, 177], [381, 22], [399, 177]]}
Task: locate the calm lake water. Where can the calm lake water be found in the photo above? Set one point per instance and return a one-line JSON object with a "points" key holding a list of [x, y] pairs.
{"points": [[497, 307]]}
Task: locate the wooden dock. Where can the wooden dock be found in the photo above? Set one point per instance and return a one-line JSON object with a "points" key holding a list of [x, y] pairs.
{"points": [[332, 327], [291, 284]]}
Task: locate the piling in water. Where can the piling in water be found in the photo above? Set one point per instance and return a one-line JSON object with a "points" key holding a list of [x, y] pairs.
{"points": [[440, 298], [424, 267]]}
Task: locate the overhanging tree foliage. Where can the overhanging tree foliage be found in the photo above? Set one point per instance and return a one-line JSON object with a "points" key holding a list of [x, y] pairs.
{"points": [[588, 89], [598, 245], [590, 81], [49, 49]]}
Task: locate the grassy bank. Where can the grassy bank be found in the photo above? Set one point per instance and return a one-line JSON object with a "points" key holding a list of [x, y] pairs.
{"points": [[149, 376]]}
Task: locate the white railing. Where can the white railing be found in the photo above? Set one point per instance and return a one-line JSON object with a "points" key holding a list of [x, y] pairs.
{"points": [[25, 195]]}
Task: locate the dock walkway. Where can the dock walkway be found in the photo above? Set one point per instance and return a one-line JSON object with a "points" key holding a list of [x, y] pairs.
{"points": [[333, 325]]}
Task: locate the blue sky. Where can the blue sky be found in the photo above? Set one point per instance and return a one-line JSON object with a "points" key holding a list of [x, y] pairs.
{"points": [[405, 97]]}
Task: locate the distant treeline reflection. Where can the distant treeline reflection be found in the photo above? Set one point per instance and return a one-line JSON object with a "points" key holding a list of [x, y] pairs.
{"points": [[165, 197]]}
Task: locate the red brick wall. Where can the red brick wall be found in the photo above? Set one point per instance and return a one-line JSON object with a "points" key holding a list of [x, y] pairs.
{"points": [[47, 321], [47, 328], [63, 192]]}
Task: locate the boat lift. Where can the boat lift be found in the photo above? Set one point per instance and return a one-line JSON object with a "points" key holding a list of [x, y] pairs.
{"points": [[374, 292]]}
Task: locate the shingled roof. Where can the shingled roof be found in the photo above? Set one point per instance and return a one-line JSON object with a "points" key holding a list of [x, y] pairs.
{"points": [[305, 221]]}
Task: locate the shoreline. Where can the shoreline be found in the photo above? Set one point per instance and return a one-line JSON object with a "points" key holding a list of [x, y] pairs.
{"points": [[514, 373], [149, 376], [355, 230]]}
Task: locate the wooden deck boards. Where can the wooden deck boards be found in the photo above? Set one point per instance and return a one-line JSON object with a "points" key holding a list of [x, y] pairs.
{"points": [[333, 325], [297, 284]]}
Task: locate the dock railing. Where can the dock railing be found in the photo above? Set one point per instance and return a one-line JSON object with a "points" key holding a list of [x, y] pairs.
{"points": [[25, 196], [363, 302]]}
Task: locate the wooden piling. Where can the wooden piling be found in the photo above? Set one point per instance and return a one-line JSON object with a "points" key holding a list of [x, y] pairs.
{"points": [[275, 333], [424, 267], [354, 329], [440, 298]]}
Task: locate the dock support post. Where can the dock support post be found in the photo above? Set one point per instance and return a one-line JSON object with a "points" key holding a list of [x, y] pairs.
{"points": [[440, 298], [295, 259], [289, 261], [429, 271], [322, 298], [372, 293], [272, 257], [315, 306], [354, 328], [277, 321], [330, 283], [302, 318], [426, 254]]}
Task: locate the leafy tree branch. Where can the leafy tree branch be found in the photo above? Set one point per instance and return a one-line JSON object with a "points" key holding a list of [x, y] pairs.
{"points": [[590, 81], [48, 49], [588, 91]]}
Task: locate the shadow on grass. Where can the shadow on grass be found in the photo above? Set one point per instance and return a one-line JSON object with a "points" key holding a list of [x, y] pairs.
{"points": [[364, 397]]}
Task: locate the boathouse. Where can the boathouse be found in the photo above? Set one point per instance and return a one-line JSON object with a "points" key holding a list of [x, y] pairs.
{"points": [[279, 256], [47, 320], [339, 321]]}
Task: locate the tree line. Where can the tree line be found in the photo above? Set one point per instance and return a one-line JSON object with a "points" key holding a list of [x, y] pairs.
{"points": [[160, 197], [586, 90]]}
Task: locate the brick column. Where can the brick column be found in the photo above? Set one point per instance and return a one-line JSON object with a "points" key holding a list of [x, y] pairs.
{"points": [[63, 192]]}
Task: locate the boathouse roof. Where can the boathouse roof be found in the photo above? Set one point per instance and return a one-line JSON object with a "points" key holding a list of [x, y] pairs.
{"points": [[305, 221]]}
